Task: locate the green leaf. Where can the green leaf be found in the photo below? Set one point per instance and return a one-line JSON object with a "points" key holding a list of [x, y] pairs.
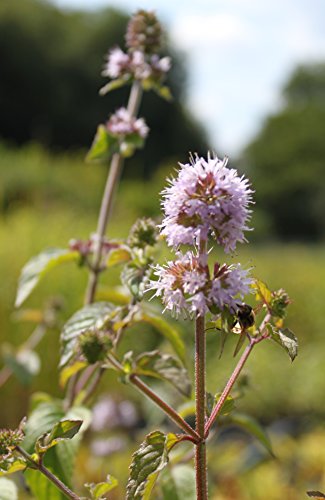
{"points": [[97, 490], [178, 483], [227, 406], [241, 341], [165, 367], [90, 317], [286, 339], [115, 295], [65, 429], [133, 278], [262, 292], [164, 92], [8, 489], [71, 370], [24, 364], [113, 85], [11, 465], [253, 427], [148, 461], [38, 266], [118, 256], [168, 331], [60, 459], [41, 487], [103, 146]]}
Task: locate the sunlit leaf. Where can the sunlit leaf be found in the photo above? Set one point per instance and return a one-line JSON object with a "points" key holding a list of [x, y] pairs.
{"points": [[178, 483], [90, 317], [113, 85], [164, 92], [65, 429], [147, 462], [115, 295], [38, 266], [103, 146], [167, 330], [262, 292], [8, 489], [71, 370], [97, 490], [166, 367], [286, 339], [11, 465], [118, 256], [250, 425]]}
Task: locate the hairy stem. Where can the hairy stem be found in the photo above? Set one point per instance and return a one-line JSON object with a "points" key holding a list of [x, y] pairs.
{"points": [[56, 481], [200, 404], [167, 409], [229, 386], [108, 198]]}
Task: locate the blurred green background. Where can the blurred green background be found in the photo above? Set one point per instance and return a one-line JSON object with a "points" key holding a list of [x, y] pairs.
{"points": [[49, 110]]}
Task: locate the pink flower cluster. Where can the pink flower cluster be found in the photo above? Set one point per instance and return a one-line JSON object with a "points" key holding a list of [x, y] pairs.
{"points": [[185, 286], [206, 198], [135, 65], [121, 123]]}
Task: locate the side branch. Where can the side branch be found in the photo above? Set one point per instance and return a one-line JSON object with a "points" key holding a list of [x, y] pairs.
{"points": [[46, 472]]}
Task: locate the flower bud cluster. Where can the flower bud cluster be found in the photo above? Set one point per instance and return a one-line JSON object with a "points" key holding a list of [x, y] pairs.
{"points": [[206, 199], [185, 286], [122, 124], [144, 33]]}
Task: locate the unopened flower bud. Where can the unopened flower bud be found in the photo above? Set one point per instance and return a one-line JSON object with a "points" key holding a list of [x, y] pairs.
{"points": [[94, 346], [143, 233], [144, 33]]}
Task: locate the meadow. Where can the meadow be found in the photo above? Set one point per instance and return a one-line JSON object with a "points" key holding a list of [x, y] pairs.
{"points": [[45, 201]]}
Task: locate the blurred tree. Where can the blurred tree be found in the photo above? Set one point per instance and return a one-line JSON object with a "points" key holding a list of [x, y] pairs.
{"points": [[286, 160], [51, 62]]}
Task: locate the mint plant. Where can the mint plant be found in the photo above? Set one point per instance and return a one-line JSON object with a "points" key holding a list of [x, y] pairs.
{"points": [[206, 206]]}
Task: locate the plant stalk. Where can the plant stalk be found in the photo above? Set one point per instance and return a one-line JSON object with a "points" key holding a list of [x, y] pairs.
{"points": [[56, 481], [108, 198], [167, 409], [225, 393], [200, 404]]}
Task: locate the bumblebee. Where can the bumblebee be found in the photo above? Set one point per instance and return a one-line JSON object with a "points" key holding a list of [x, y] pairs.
{"points": [[245, 316]]}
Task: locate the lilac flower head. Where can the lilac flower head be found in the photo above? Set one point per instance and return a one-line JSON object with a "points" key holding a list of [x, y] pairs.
{"points": [[185, 286], [206, 198], [117, 64], [121, 123]]}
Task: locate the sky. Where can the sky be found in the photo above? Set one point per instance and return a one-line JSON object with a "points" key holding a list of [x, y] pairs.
{"points": [[239, 52]]}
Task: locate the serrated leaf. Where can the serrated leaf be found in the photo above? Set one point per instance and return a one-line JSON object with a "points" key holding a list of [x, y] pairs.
{"points": [[178, 483], [166, 367], [148, 461], [103, 146], [38, 266], [90, 317], [168, 331], [99, 489], [71, 370], [24, 365], [118, 256], [65, 429], [262, 292], [8, 489], [253, 427], [286, 339], [40, 421]]}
